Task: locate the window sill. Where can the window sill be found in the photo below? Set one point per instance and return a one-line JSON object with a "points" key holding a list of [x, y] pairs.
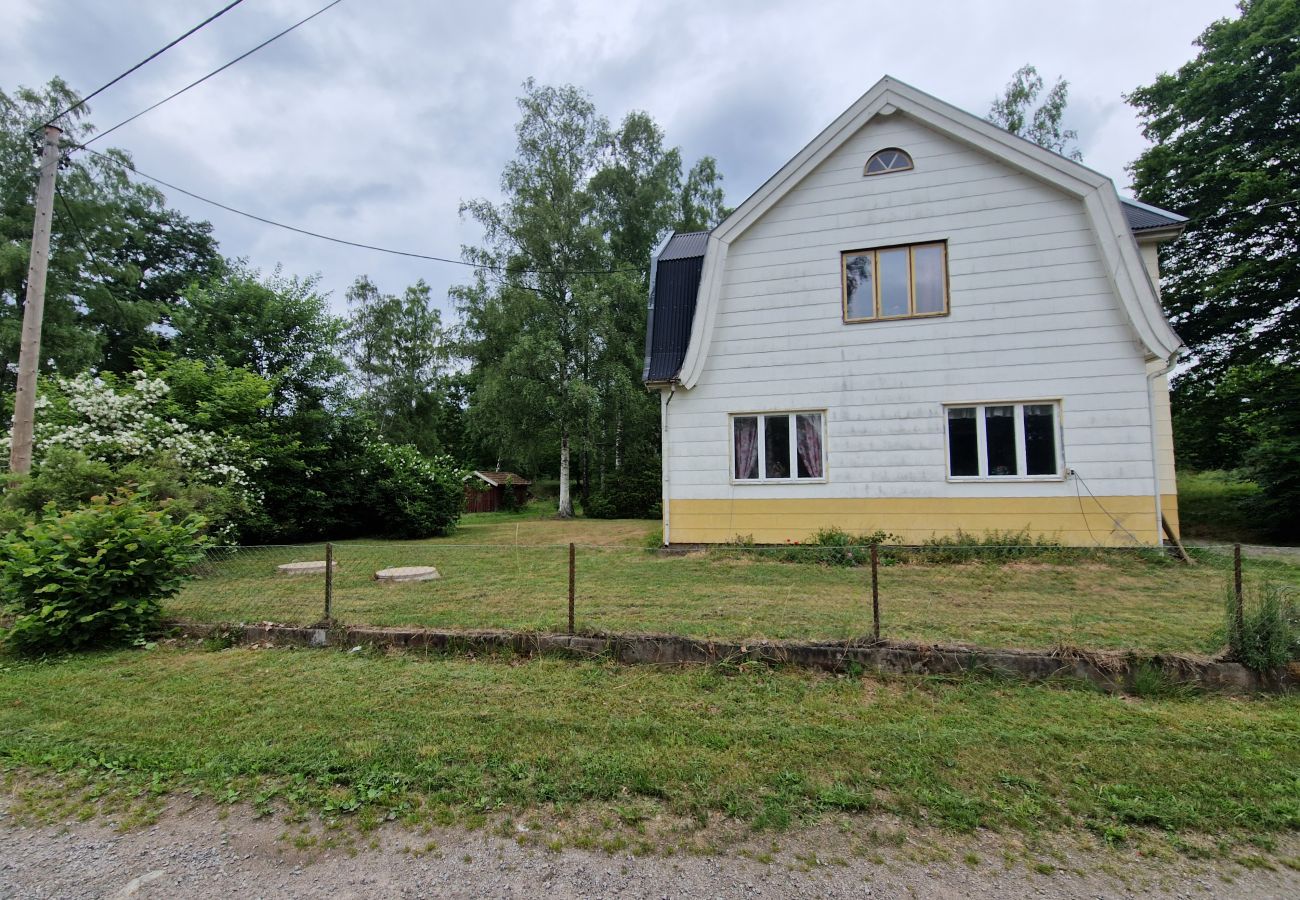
{"points": [[760, 481], [1002, 479]]}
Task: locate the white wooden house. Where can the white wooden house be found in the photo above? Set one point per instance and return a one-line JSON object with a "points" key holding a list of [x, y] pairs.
{"points": [[920, 324]]}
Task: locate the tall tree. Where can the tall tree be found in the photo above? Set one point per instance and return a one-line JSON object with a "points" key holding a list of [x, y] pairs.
{"points": [[701, 197], [1015, 111], [1226, 133], [275, 326], [536, 321], [399, 353], [119, 256]]}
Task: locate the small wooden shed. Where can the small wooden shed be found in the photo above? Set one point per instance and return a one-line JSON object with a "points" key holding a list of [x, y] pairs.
{"points": [[486, 491]]}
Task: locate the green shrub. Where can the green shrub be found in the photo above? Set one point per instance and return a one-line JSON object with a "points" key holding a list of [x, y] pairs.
{"points": [[408, 495], [93, 575], [69, 478], [1269, 633], [991, 546], [635, 491], [510, 497], [828, 547]]}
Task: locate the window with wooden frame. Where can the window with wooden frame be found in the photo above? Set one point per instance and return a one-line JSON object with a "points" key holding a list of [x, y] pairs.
{"points": [[904, 282], [784, 446], [1004, 441], [891, 159]]}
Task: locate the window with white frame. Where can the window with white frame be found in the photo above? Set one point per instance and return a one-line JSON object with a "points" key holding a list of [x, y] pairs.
{"points": [[786, 446], [1004, 440]]}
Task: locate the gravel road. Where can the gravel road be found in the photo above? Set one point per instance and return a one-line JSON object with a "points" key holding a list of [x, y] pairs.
{"points": [[197, 853]]}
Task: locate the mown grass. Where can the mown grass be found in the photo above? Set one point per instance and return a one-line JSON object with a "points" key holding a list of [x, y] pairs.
{"points": [[511, 571], [450, 738], [1216, 506]]}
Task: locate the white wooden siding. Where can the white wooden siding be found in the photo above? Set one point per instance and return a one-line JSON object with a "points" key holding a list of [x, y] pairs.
{"points": [[1032, 317]]}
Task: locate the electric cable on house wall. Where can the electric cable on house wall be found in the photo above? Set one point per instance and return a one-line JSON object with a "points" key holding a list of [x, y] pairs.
{"points": [[148, 59], [216, 71], [1080, 480], [344, 241]]}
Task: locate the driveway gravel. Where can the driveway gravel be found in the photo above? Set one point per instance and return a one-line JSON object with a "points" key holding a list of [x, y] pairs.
{"points": [[202, 852]]}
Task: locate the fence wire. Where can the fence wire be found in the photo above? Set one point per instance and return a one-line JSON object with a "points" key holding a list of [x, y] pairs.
{"points": [[1027, 596]]}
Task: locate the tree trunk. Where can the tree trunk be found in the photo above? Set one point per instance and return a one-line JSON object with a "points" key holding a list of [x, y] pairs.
{"points": [[566, 502]]}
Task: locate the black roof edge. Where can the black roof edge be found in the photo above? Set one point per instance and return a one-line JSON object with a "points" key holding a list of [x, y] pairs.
{"points": [[650, 309]]}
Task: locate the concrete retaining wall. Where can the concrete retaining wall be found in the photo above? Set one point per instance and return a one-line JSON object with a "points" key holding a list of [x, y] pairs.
{"points": [[1108, 670]]}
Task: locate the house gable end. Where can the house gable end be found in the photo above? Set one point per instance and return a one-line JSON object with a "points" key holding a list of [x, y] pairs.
{"points": [[1106, 217]]}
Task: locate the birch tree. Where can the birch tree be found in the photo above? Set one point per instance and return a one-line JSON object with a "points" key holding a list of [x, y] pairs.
{"points": [[535, 321]]}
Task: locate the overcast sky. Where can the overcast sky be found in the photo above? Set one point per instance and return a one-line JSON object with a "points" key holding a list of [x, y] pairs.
{"points": [[374, 120]]}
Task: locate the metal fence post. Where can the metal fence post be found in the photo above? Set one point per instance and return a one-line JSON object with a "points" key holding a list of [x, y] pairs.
{"points": [[329, 582], [572, 567], [1239, 613], [875, 590]]}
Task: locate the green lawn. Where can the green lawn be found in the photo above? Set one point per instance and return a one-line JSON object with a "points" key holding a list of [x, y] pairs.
{"points": [[1215, 506], [445, 738], [504, 571]]}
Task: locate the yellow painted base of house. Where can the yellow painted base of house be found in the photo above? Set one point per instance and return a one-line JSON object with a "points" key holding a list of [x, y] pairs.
{"points": [[1074, 522]]}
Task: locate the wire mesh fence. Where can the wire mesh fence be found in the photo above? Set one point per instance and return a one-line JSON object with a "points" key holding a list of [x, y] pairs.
{"points": [[1027, 596]]}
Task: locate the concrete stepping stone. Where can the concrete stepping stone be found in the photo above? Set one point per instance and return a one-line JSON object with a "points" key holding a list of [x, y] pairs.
{"points": [[315, 567], [407, 573]]}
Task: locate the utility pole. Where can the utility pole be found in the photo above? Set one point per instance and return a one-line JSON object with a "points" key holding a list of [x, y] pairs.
{"points": [[29, 356]]}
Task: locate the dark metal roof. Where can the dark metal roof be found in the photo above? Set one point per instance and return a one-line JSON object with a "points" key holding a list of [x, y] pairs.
{"points": [[685, 244], [1142, 217], [674, 286]]}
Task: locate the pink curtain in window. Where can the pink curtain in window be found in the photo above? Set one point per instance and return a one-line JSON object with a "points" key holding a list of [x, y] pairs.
{"points": [[809, 439], [746, 448]]}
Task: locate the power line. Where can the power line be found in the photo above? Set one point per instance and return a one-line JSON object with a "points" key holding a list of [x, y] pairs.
{"points": [[216, 71], [344, 241], [148, 59], [90, 254]]}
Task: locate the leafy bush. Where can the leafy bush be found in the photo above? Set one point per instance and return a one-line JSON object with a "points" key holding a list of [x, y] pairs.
{"points": [[69, 478], [510, 497], [1269, 634], [94, 429], [635, 491], [409, 495], [94, 575], [829, 547], [991, 546]]}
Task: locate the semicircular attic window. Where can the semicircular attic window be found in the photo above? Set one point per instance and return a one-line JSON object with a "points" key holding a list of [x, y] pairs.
{"points": [[891, 159]]}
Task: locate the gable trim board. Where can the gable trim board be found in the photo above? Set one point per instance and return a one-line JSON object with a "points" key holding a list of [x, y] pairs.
{"points": [[1053, 292]]}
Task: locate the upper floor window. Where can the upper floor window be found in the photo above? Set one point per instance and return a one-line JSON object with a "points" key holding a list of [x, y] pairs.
{"points": [[895, 282], [891, 159]]}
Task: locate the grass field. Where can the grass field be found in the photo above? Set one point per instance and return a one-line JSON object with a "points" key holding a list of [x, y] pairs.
{"points": [[1215, 506], [455, 739], [511, 571]]}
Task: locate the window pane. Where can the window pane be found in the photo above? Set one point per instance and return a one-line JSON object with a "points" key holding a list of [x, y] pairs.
{"points": [[776, 446], [861, 300], [745, 429], [892, 265], [1040, 439], [927, 275], [808, 444], [1000, 435], [963, 442]]}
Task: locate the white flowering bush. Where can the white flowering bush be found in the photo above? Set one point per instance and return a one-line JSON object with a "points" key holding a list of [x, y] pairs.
{"points": [[87, 421]]}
